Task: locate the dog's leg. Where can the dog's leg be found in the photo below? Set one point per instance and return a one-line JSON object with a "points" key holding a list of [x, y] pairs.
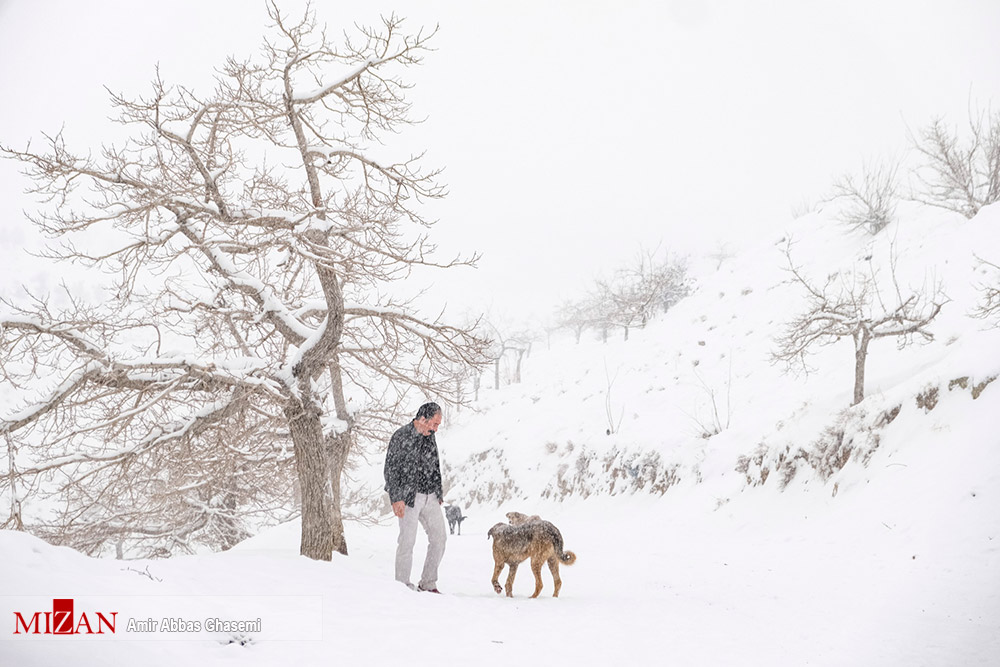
{"points": [[554, 569], [536, 569], [496, 577], [510, 580]]}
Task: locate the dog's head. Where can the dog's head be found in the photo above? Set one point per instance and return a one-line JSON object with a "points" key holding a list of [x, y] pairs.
{"points": [[517, 519]]}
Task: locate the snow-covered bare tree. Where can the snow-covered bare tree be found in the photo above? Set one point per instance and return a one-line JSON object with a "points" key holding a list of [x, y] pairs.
{"points": [[508, 344], [630, 297], [576, 316], [619, 304], [722, 252], [868, 200], [961, 175], [989, 307], [637, 291], [250, 341], [669, 278], [856, 305], [519, 344]]}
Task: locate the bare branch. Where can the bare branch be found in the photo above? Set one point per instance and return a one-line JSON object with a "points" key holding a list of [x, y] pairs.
{"points": [[853, 306], [960, 175]]}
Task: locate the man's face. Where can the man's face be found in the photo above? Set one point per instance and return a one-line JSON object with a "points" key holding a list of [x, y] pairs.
{"points": [[427, 426]]}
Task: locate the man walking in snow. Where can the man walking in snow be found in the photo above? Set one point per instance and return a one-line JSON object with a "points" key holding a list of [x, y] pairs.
{"points": [[413, 481]]}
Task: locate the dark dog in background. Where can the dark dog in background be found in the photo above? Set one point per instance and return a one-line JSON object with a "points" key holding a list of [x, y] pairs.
{"points": [[455, 518], [535, 539]]}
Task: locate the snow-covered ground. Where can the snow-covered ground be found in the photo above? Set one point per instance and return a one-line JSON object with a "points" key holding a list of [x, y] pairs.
{"points": [[903, 572], [688, 553]]}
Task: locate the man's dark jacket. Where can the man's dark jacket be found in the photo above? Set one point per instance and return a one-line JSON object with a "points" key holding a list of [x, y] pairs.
{"points": [[412, 466]]}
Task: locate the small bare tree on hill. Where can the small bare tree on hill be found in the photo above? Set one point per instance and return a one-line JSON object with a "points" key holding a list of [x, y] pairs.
{"points": [[631, 297], [640, 289], [853, 306], [960, 175], [577, 316], [506, 342], [868, 200], [989, 308]]}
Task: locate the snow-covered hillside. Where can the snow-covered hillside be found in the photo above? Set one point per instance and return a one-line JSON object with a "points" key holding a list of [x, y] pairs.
{"points": [[803, 532], [705, 367]]}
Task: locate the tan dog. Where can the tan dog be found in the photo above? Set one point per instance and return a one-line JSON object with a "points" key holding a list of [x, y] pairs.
{"points": [[538, 540], [517, 519]]}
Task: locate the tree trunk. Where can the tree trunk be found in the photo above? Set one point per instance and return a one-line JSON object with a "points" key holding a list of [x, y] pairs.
{"points": [[339, 451], [322, 521], [312, 464], [231, 533], [861, 341], [15, 503], [496, 374]]}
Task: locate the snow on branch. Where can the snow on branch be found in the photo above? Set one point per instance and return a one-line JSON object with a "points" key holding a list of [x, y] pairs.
{"points": [[66, 388], [189, 427], [317, 95]]}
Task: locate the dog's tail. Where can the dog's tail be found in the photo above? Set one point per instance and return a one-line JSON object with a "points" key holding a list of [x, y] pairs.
{"points": [[565, 557]]}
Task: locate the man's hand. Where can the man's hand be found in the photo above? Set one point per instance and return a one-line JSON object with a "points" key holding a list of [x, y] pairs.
{"points": [[399, 508]]}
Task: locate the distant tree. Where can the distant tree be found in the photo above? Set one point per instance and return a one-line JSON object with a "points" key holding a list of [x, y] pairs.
{"points": [[576, 316], [800, 208], [853, 305], [520, 344], [629, 298], [868, 200], [989, 308], [961, 175], [253, 233], [637, 291], [670, 280], [507, 342], [721, 253]]}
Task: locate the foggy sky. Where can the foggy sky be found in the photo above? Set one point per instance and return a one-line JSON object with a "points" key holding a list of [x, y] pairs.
{"points": [[571, 133]]}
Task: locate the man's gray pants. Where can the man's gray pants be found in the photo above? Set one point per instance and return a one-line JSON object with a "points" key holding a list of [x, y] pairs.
{"points": [[427, 512]]}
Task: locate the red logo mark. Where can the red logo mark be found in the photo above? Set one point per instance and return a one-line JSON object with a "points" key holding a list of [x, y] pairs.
{"points": [[62, 621]]}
